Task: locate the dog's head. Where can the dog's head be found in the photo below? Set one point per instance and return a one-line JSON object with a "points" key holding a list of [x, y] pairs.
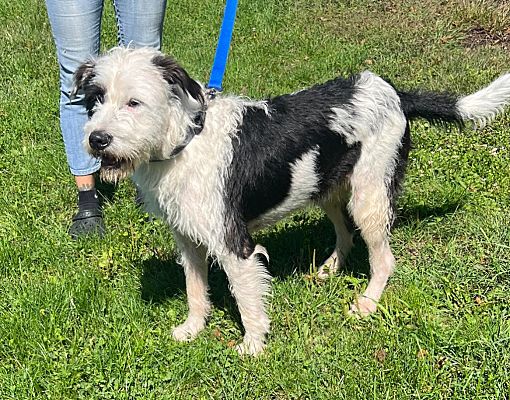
{"points": [[140, 105]]}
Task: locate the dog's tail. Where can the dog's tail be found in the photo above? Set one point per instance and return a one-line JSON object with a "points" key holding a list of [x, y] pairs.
{"points": [[439, 108]]}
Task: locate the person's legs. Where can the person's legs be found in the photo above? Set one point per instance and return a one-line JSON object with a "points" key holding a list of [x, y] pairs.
{"points": [[76, 27], [140, 23]]}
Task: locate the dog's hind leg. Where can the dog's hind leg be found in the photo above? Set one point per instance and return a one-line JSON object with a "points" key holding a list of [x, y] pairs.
{"points": [[371, 203], [194, 262], [335, 209], [371, 212], [250, 286]]}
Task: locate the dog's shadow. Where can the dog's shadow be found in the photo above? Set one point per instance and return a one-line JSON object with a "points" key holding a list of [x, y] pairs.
{"points": [[164, 280], [109, 192], [291, 249], [106, 190], [298, 248], [412, 215]]}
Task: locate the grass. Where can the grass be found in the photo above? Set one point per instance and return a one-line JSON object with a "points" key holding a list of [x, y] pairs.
{"points": [[92, 319], [493, 16]]}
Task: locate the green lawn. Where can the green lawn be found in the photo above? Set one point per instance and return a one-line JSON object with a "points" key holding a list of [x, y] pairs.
{"points": [[92, 319]]}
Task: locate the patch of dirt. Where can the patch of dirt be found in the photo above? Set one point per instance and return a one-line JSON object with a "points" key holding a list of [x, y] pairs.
{"points": [[479, 36]]}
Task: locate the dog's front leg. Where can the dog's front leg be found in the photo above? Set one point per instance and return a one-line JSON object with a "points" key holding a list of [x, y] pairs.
{"points": [[194, 262], [250, 285]]}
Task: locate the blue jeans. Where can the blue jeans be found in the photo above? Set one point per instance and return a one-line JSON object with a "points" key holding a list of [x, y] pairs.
{"points": [[76, 27]]}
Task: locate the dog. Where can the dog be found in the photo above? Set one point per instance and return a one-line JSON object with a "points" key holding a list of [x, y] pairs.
{"points": [[218, 167]]}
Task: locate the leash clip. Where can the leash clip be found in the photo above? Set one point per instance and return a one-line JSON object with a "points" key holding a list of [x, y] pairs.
{"points": [[211, 93]]}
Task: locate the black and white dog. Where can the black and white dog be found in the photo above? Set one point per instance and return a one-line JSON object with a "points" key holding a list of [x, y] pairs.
{"points": [[218, 168]]}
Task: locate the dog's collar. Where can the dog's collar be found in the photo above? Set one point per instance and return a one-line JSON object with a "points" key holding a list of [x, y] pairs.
{"points": [[198, 126]]}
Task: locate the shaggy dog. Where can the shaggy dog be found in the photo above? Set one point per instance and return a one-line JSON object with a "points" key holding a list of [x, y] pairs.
{"points": [[218, 167]]}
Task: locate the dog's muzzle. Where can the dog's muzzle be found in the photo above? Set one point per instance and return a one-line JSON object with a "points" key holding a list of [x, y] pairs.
{"points": [[99, 140]]}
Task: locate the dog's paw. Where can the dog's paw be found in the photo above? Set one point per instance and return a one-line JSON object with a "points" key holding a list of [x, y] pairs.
{"points": [[325, 271], [251, 346], [329, 267], [188, 330], [362, 307]]}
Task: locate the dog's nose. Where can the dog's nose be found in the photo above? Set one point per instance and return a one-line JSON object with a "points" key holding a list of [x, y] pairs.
{"points": [[99, 140]]}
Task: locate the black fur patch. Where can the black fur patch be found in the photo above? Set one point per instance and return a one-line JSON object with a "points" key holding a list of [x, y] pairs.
{"points": [[260, 173], [438, 108], [82, 77], [174, 74], [93, 94]]}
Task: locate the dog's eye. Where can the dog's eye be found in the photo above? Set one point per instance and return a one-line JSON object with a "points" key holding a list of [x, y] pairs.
{"points": [[134, 103]]}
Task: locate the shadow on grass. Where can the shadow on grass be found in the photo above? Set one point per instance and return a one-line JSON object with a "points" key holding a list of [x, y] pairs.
{"points": [[161, 280], [417, 213], [164, 279], [292, 248], [300, 247], [106, 190]]}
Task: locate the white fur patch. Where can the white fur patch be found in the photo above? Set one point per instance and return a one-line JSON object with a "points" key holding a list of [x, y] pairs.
{"points": [[304, 183], [481, 107], [188, 190], [373, 99]]}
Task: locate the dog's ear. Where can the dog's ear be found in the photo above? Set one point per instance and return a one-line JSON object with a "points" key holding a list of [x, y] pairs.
{"points": [[82, 76], [174, 74]]}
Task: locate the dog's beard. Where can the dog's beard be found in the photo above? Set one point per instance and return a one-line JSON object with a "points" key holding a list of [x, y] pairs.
{"points": [[115, 169], [115, 175]]}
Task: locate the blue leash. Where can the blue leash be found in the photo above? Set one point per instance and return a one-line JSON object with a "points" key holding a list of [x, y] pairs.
{"points": [[220, 58]]}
